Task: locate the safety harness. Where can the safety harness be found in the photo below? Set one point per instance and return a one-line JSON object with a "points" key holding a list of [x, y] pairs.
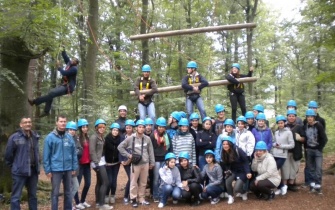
{"points": [[147, 86]]}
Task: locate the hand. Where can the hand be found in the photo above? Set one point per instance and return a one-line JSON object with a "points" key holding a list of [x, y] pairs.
{"points": [[166, 167], [249, 175], [256, 182], [297, 137], [204, 190], [58, 64], [141, 97], [195, 166], [130, 156], [49, 175], [73, 173], [196, 89], [251, 68], [184, 183], [151, 167]]}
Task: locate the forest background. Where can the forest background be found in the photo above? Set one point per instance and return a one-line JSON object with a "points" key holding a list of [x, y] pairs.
{"points": [[294, 58]]}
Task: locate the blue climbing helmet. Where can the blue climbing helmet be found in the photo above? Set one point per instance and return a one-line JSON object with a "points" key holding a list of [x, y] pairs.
{"points": [[161, 121], [249, 115], [176, 115], [236, 65], [192, 64], [169, 156], [115, 125], [184, 155], [259, 108], [292, 103], [260, 116], [129, 122], [261, 145], [183, 122], [280, 118], [140, 122], [310, 112], [209, 152], [99, 121], [194, 116], [219, 108], [227, 138], [148, 121], [242, 118], [229, 122], [313, 104], [71, 125], [206, 118], [182, 114], [291, 111], [146, 68], [82, 122]]}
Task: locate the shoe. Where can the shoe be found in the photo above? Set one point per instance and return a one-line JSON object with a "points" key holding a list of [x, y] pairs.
{"points": [[112, 199], [271, 196], [44, 114], [106, 199], [74, 208], [196, 203], [156, 200], [259, 195], [238, 195], [80, 206], [312, 188], [200, 197], [230, 199], [134, 203], [31, 102], [215, 201], [175, 202], [318, 191], [86, 205], [145, 203], [126, 201], [292, 188], [283, 190], [244, 196], [106, 207], [160, 205], [278, 192]]}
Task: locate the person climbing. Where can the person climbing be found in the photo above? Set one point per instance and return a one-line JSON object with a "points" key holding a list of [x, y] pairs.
{"points": [[236, 89], [69, 76], [193, 92]]}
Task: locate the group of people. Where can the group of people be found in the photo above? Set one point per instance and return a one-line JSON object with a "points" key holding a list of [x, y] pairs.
{"points": [[188, 159]]}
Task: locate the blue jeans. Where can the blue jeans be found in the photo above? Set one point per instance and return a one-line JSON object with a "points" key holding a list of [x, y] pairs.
{"points": [[280, 162], [308, 177], [200, 105], [47, 99], [155, 183], [56, 179], [202, 162], [112, 172], [18, 183], [84, 170], [169, 190], [314, 162], [214, 191], [147, 110], [75, 186]]}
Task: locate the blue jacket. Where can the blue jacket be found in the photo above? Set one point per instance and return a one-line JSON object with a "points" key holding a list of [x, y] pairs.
{"points": [[59, 153], [263, 135], [218, 147], [70, 72], [17, 155]]}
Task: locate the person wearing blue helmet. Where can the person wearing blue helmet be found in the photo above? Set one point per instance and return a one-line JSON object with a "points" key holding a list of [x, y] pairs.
{"points": [[183, 141], [190, 178], [262, 132], [146, 106], [218, 125], [161, 144], [236, 89], [249, 116], [244, 138], [138, 148], [314, 105], [149, 125], [193, 91], [172, 124], [205, 140], [292, 105], [228, 131], [112, 155], [316, 140], [212, 172], [195, 127]]}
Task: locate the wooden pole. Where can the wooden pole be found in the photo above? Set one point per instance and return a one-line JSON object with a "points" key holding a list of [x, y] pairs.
{"points": [[210, 84], [193, 31]]}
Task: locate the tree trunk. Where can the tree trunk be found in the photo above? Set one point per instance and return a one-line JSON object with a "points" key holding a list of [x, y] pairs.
{"points": [[143, 30]]}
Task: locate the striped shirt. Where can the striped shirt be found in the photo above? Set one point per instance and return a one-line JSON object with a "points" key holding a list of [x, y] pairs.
{"points": [[184, 143]]}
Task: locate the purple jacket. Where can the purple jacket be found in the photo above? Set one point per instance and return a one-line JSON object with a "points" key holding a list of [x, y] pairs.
{"points": [[263, 135]]}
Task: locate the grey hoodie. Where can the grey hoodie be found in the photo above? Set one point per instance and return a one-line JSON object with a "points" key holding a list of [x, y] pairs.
{"points": [[214, 176], [283, 138]]}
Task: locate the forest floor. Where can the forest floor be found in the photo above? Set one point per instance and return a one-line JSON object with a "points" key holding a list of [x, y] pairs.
{"points": [[292, 200]]}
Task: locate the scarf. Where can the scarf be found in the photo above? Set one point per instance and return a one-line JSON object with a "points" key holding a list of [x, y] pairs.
{"points": [[162, 139]]}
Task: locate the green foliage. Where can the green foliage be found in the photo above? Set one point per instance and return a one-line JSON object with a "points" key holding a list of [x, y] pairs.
{"points": [[6, 74]]}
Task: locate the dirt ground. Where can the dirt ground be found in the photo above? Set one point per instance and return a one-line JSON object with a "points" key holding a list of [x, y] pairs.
{"points": [[293, 200]]}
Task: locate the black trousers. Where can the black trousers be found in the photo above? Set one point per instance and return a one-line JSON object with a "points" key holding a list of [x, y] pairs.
{"points": [[263, 186], [234, 99], [195, 190]]}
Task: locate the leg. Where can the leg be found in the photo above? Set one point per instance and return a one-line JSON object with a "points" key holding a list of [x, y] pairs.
{"points": [[176, 193], [318, 168], [143, 177], [306, 169], [263, 186], [202, 162], [55, 182], [195, 190], [233, 103], [214, 191], [166, 192], [115, 170], [104, 183], [229, 184], [152, 111], [311, 165], [155, 182], [187, 195], [201, 107], [189, 107], [75, 186], [142, 110], [127, 189], [87, 179], [134, 176], [55, 92], [17, 186], [110, 179], [32, 189], [238, 187], [67, 185], [241, 102], [79, 177], [97, 186]]}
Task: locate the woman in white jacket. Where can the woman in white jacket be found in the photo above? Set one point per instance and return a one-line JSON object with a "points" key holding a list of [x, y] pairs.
{"points": [[267, 173], [245, 140], [282, 142]]}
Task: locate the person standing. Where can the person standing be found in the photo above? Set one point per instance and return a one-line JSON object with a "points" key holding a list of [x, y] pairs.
{"points": [[69, 77], [145, 104], [236, 89], [292, 105], [121, 120], [218, 123], [193, 92], [60, 162], [262, 132], [22, 156]]}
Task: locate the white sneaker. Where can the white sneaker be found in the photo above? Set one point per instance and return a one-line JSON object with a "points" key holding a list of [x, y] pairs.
{"points": [[215, 201], [80, 206], [238, 195], [106, 207], [107, 199], [230, 199], [175, 202], [244, 196], [284, 190], [278, 192], [160, 205], [112, 199], [86, 205]]}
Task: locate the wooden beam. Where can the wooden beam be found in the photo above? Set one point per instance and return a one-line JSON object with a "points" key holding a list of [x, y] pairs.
{"points": [[193, 31], [210, 84]]}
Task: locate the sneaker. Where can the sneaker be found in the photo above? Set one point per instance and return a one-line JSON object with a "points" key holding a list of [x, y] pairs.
{"points": [[134, 203], [244, 196], [112, 199], [145, 203], [271, 196], [292, 188], [80, 206], [284, 190], [125, 200], [318, 191], [156, 200], [106, 207], [200, 197], [86, 205], [278, 192], [230, 199], [106, 199], [215, 201], [175, 202], [238, 195], [160, 205]]}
